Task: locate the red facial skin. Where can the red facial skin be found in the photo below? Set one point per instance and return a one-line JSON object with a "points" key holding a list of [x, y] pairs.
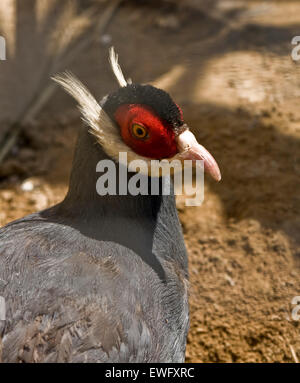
{"points": [[160, 140]]}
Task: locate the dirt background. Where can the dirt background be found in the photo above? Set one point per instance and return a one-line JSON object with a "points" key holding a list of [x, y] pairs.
{"points": [[228, 64]]}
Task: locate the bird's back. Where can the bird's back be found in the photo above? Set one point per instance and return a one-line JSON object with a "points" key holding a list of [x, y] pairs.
{"points": [[78, 295]]}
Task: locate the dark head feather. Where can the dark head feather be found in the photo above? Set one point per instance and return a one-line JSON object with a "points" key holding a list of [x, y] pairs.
{"points": [[159, 100]]}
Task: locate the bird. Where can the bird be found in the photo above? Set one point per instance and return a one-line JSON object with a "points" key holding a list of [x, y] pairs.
{"points": [[104, 278]]}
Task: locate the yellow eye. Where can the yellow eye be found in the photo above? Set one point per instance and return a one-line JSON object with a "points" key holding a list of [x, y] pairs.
{"points": [[139, 131]]}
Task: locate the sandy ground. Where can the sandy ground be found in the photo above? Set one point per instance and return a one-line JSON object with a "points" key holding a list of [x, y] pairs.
{"points": [[230, 68]]}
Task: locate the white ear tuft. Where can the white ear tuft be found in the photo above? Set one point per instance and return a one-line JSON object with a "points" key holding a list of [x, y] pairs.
{"points": [[113, 59], [92, 113]]}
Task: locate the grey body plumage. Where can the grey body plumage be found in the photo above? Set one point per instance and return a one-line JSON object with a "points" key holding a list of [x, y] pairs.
{"points": [[95, 279]]}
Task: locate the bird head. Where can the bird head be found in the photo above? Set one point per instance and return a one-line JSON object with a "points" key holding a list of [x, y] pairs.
{"points": [[141, 120]]}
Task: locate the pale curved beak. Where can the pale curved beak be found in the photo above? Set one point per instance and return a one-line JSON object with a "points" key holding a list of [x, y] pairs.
{"points": [[190, 149]]}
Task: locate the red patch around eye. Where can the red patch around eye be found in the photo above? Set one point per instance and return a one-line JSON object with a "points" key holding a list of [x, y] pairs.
{"points": [[160, 142]]}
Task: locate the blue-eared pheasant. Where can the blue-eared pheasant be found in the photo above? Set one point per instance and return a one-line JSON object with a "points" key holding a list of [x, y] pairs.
{"points": [[103, 278]]}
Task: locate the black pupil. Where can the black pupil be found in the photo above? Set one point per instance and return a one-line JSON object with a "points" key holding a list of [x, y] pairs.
{"points": [[139, 131]]}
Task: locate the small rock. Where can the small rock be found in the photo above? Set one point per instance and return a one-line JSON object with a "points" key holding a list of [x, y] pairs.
{"points": [[7, 195], [230, 280], [27, 186], [200, 330], [30, 184]]}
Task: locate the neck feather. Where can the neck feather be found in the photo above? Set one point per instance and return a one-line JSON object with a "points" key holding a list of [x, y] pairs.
{"points": [[83, 199]]}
